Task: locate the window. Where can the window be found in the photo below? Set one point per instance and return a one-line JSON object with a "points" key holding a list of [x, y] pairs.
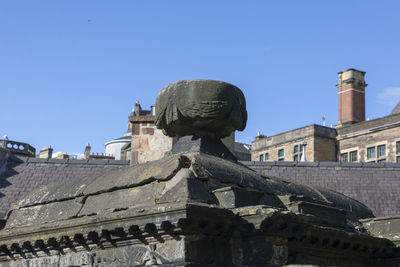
{"points": [[262, 157], [297, 152], [371, 153], [381, 151], [281, 155], [398, 151], [353, 156], [266, 156], [344, 157], [378, 153]]}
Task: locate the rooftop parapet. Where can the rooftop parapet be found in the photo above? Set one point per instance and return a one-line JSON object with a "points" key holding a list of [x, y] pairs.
{"points": [[18, 148]]}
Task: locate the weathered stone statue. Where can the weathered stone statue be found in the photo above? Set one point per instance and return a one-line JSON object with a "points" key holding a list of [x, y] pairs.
{"points": [[195, 207]]}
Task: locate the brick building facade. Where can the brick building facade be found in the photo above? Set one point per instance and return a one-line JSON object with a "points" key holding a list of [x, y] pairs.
{"points": [[354, 139]]}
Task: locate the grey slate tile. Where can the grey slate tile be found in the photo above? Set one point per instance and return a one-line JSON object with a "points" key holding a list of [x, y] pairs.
{"points": [[26, 174]]}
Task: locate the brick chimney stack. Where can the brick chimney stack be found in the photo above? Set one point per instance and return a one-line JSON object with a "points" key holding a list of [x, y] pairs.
{"points": [[351, 96]]}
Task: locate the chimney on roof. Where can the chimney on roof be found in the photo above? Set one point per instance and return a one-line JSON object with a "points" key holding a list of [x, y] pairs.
{"points": [[62, 155], [87, 151], [351, 87], [45, 153], [138, 108]]}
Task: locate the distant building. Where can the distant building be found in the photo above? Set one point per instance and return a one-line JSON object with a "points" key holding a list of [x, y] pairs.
{"points": [[288, 146], [45, 153], [353, 140], [376, 140], [116, 147], [148, 143], [358, 140], [120, 147], [92, 155]]}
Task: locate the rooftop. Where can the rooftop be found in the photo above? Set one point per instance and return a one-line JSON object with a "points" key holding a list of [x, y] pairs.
{"points": [[21, 175], [390, 121]]}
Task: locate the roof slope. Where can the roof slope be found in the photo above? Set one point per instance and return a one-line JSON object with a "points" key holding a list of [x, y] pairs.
{"points": [[396, 109], [186, 178], [23, 174]]}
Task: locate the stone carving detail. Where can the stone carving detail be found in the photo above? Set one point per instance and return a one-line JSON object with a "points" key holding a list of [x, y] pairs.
{"points": [[130, 256], [76, 259], [205, 107]]}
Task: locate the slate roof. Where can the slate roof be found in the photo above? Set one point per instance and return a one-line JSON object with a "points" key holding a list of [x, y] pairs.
{"points": [[374, 184], [177, 178], [396, 109], [21, 175], [241, 148]]}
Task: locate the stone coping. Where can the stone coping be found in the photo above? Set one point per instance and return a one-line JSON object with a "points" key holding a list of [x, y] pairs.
{"points": [[322, 164], [74, 161]]}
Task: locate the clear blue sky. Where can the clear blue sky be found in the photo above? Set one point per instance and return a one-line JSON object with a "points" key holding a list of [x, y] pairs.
{"points": [[71, 71]]}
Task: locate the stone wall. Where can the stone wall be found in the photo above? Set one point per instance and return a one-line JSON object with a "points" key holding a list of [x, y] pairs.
{"points": [[320, 144], [324, 149], [377, 185], [362, 141], [376, 124], [288, 149], [148, 142]]}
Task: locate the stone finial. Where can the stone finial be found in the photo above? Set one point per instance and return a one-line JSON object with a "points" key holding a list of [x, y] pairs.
{"points": [[87, 151], [200, 107], [138, 108]]}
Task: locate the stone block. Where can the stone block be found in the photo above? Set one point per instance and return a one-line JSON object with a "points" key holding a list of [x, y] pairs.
{"points": [[146, 195], [183, 187], [135, 175], [136, 129], [170, 252], [235, 197], [67, 188], [329, 164], [322, 213], [76, 259], [148, 130], [143, 143], [42, 214]]}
